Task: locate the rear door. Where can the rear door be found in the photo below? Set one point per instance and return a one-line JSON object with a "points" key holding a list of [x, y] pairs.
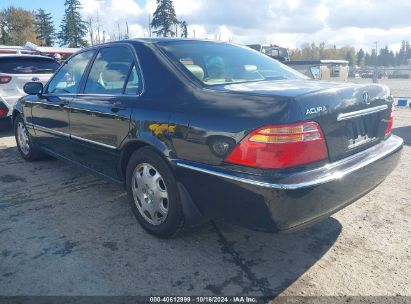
{"points": [[100, 114], [50, 110]]}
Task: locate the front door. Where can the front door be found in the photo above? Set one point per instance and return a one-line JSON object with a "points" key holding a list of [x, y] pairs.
{"points": [[100, 114], [50, 115]]}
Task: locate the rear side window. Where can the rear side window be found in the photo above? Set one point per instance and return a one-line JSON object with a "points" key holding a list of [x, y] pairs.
{"points": [[133, 82], [112, 72], [67, 79], [28, 65]]}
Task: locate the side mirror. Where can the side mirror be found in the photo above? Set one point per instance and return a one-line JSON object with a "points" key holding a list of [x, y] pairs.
{"points": [[33, 88]]}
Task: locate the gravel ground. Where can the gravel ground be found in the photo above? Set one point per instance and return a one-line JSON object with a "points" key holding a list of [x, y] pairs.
{"points": [[64, 232]]}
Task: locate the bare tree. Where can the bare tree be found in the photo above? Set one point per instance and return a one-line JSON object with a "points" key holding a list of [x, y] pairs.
{"points": [[90, 29]]}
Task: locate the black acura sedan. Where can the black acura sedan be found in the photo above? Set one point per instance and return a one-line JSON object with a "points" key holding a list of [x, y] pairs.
{"points": [[200, 130]]}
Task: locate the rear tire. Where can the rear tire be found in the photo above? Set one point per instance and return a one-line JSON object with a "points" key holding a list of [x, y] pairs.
{"points": [[153, 194], [25, 144]]}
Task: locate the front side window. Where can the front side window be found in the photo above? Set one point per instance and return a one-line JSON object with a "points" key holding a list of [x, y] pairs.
{"points": [[110, 71], [222, 63], [67, 79]]}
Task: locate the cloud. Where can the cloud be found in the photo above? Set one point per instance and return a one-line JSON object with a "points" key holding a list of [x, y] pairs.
{"points": [[380, 14], [285, 22]]}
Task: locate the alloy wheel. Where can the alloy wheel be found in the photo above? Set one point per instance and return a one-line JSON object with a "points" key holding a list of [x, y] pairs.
{"points": [[23, 138], [150, 194]]}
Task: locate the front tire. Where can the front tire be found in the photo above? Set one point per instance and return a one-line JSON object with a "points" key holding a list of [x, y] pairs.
{"points": [[27, 148], [153, 194]]}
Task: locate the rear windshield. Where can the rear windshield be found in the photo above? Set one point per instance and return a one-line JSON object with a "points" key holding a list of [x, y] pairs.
{"points": [[25, 65], [223, 63]]}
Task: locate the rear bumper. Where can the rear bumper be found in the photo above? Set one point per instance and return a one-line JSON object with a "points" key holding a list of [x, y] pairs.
{"points": [[291, 200], [4, 106], [8, 103]]}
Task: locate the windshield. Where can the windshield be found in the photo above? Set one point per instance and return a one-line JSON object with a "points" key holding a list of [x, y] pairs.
{"points": [[221, 63], [28, 65]]}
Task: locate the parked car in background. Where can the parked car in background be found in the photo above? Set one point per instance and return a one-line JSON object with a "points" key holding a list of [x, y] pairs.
{"points": [[15, 71], [400, 74], [206, 130], [273, 51]]}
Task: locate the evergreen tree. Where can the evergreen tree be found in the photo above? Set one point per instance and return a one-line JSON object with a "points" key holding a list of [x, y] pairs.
{"points": [[184, 29], [367, 59], [164, 18], [350, 56], [72, 28], [360, 57], [402, 54], [44, 28], [5, 38]]}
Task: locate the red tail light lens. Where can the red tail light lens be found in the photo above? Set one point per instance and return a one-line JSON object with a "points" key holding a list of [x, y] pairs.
{"points": [[281, 146], [4, 79], [390, 122], [3, 112]]}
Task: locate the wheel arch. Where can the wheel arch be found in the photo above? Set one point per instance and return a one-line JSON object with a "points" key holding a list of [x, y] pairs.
{"points": [[134, 145], [14, 114]]}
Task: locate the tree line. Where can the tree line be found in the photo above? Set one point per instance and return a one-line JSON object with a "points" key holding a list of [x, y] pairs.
{"points": [[18, 25], [385, 56]]}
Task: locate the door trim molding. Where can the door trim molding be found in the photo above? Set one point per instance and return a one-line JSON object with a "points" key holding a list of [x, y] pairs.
{"points": [[47, 130], [93, 142]]}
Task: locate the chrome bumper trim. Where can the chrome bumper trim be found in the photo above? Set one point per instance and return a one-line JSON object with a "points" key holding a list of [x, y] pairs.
{"points": [[397, 143]]}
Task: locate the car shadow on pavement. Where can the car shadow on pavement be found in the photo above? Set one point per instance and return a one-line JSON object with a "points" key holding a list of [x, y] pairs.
{"points": [[77, 236], [269, 263], [404, 133]]}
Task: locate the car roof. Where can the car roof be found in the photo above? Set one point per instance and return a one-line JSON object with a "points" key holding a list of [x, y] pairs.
{"points": [[170, 39], [154, 41]]}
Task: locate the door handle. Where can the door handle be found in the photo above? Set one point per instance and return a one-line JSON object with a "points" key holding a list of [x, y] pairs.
{"points": [[115, 107]]}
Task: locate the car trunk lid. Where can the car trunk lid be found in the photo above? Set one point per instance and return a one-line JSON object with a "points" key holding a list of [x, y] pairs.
{"points": [[352, 117]]}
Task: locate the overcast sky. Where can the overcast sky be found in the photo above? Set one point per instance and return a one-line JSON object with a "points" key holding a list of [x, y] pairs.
{"points": [[288, 23]]}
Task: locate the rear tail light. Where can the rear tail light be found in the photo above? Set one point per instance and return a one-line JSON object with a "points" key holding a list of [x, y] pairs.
{"points": [[390, 122], [4, 79], [3, 112], [281, 146]]}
